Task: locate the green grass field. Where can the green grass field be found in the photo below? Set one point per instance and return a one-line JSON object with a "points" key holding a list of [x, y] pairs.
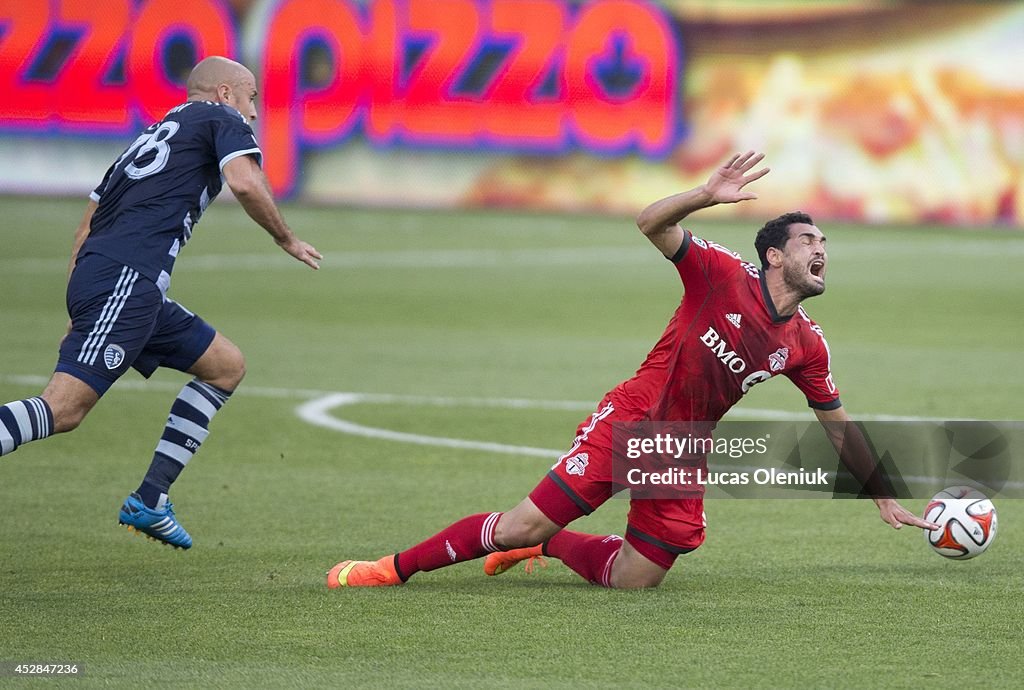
{"points": [[477, 309]]}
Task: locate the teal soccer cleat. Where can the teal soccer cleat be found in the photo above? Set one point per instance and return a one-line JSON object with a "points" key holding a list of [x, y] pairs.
{"points": [[159, 524]]}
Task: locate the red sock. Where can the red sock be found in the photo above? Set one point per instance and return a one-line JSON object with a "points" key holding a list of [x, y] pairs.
{"points": [[469, 538], [590, 555]]}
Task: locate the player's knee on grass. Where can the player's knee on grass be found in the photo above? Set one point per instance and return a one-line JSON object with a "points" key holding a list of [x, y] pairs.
{"points": [[522, 526], [632, 570]]}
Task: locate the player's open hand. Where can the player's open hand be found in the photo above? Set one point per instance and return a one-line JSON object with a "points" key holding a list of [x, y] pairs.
{"points": [[896, 515], [304, 252], [726, 184]]}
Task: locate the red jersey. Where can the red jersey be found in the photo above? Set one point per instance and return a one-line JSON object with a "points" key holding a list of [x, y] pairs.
{"points": [[725, 337]]}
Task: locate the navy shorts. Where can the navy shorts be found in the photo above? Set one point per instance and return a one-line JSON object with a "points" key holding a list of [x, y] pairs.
{"points": [[120, 319]]}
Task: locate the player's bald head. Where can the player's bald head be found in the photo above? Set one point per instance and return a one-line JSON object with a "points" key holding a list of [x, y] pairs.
{"points": [[213, 71]]}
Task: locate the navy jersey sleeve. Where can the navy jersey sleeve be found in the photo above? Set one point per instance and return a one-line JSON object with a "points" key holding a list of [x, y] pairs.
{"points": [[233, 137], [98, 192]]}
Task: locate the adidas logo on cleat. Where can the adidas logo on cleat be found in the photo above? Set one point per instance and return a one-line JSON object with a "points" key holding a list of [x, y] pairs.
{"points": [[139, 532], [159, 525], [152, 538]]}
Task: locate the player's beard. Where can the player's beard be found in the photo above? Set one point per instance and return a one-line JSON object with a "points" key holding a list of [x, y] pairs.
{"points": [[798, 277]]}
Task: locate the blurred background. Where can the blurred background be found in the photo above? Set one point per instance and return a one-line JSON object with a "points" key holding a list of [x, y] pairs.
{"points": [[877, 112]]}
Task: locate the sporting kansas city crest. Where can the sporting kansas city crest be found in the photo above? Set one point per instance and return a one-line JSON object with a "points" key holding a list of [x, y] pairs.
{"points": [[577, 464], [113, 356]]}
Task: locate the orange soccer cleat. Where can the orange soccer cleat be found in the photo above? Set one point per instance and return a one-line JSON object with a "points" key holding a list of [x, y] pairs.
{"points": [[498, 562], [380, 573]]}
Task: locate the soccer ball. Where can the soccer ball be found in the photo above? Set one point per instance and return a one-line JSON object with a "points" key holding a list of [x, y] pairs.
{"points": [[967, 519]]}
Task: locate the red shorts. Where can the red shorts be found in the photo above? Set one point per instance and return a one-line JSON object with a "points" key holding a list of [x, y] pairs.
{"points": [[581, 480]]}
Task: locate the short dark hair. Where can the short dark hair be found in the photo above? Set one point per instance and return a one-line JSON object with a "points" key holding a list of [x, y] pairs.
{"points": [[775, 232]]}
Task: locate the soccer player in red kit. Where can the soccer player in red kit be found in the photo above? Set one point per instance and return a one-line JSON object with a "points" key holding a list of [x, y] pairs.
{"points": [[736, 326]]}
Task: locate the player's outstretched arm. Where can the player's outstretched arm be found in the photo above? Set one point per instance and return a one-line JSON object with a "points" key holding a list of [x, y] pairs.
{"points": [[250, 187], [856, 455], [659, 221]]}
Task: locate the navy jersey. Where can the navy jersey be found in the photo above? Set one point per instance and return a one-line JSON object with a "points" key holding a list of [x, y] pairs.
{"points": [[153, 195]]}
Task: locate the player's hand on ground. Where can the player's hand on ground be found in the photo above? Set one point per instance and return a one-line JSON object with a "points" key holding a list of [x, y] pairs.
{"points": [[304, 252], [896, 515], [726, 184]]}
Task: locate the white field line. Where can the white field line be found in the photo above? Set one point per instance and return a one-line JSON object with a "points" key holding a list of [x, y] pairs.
{"points": [[410, 258], [318, 411], [341, 398], [476, 258]]}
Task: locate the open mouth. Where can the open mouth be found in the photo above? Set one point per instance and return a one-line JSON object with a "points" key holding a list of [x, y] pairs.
{"points": [[817, 268]]}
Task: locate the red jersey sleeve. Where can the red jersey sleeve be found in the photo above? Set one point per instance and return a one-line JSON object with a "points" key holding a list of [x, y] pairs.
{"points": [[814, 376], [699, 261]]}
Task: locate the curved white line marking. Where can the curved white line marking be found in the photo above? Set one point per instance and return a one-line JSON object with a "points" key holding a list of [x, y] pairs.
{"points": [[318, 412]]}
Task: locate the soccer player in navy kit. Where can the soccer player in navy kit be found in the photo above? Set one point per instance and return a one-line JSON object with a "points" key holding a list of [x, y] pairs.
{"points": [[137, 221], [736, 326]]}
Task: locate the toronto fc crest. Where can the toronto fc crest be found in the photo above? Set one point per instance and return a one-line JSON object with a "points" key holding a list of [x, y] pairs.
{"points": [[577, 464], [777, 359]]}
